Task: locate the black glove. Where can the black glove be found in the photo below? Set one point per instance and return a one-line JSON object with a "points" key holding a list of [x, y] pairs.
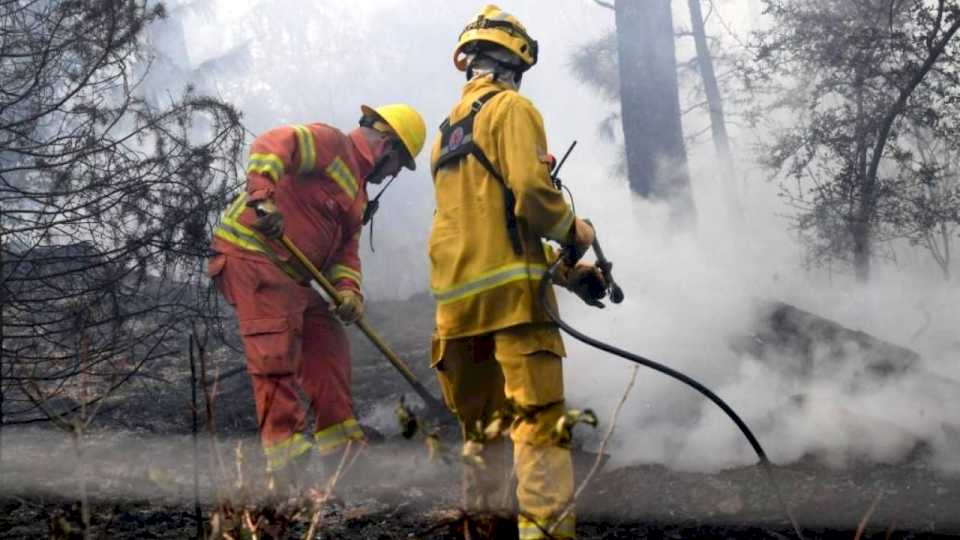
{"points": [[586, 281], [269, 220]]}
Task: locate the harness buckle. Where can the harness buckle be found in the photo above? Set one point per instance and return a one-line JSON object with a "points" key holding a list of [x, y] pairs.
{"points": [[477, 105]]}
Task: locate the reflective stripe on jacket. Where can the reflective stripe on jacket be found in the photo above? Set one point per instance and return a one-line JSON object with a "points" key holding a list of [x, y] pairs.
{"points": [[315, 175], [479, 282]]}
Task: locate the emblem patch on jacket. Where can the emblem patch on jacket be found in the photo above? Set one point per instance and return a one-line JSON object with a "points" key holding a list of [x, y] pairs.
{"points": [[456, 138]]}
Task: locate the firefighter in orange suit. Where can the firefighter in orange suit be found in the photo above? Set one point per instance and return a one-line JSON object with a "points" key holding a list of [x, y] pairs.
{"points": [[309, 182], [495, 348]]}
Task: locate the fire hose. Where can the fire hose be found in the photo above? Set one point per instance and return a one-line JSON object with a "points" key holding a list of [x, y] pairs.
{"points": [[570, 256]]}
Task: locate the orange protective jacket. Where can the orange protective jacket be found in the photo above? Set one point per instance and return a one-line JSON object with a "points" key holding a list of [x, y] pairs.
{"points": [[316, 176]]}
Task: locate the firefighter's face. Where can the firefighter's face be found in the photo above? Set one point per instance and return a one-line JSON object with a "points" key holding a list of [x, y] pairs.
{"points": [[389, 163]]}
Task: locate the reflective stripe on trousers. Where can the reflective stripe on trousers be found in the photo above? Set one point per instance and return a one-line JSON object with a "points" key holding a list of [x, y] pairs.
{"points": [[330, 438], [282, 453], [529, 529], [325, 441]]}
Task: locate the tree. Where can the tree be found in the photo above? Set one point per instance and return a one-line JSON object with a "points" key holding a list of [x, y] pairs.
{"points": [[646, 86], [857, 76], [636, 66], [108, 200], [711, 89], [929, 209], [650, 104], [718, 126]]}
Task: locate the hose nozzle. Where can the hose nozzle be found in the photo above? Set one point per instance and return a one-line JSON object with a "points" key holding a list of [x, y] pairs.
{"points": [[606, 268]]}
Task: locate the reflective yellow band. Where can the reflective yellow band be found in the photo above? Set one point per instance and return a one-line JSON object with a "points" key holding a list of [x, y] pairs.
{"points": [[490, 280], [529, 530], [341, 174], [238, 238], [561, 230], [230, 230], [269, 164], [327, 439], [339, 271], [278, 455], [306, 148], [236, 207]]}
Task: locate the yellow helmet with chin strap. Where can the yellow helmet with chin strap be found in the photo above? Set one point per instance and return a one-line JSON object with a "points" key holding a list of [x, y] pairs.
{"points": [[493, 25], [400, 120]]}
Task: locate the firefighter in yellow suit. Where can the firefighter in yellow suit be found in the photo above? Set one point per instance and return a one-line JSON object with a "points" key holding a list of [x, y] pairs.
{"points": [[494, 347]]}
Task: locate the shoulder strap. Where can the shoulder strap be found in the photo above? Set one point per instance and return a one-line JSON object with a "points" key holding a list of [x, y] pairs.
{"points": [[456, 139], [456, 143]]}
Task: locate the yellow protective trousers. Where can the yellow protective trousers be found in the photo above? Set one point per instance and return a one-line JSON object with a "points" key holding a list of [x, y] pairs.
{"points": [[517, 368]]}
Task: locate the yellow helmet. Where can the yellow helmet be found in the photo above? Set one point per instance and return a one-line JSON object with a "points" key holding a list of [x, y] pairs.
{"points": [[405, 122], [493, 25]]}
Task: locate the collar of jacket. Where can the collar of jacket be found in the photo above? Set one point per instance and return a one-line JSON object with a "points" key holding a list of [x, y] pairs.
{"points": [[482, 82], [363, 153]]}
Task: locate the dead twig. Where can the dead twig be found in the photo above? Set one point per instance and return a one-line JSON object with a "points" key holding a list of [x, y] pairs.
{"points": [[890, 530], [197, 513], [209, 391], [323, 495], [866, 517], [599, 459]]}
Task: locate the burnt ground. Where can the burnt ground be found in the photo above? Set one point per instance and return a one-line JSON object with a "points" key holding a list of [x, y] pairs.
{"points": [[139, 465]]}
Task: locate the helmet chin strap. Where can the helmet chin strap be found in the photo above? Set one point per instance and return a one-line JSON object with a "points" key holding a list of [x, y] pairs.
{"points": [[372, 206]]}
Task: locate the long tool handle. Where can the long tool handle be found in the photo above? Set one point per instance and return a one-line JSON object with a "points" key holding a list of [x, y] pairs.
{"points": [[434, 406]]}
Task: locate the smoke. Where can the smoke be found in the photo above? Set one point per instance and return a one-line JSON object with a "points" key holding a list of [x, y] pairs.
{"points": [[160, 468], [692, 296]]}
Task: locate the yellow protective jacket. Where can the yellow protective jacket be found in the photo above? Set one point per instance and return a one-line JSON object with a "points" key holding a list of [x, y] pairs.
{"points": [[479, 282]]}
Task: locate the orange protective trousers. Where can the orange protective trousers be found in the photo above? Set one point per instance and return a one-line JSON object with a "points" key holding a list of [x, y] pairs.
{"points": [[292, 341]]}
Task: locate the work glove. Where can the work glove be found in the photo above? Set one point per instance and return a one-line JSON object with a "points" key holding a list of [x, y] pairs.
{"points": [[351, 308], [269, 221], [583, 233], [578, 241], [586, 281]]}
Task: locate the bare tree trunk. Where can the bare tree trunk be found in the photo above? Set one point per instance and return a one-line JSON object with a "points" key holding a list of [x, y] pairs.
{"points": [[861, 239], [650, 104], [718, 127], [945, 237], [197, 513], [938, 243]]}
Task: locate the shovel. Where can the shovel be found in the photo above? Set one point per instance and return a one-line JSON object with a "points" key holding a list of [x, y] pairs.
{"points": [[435, 410]]}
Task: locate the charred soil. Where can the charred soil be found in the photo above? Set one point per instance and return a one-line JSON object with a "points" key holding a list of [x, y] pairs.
{"points": [[139, 472]]}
